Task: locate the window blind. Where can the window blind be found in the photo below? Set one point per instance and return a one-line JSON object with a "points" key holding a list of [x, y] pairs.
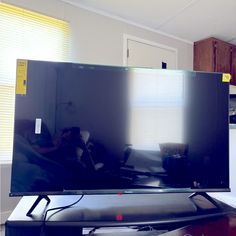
{"points": [[27, 35]]}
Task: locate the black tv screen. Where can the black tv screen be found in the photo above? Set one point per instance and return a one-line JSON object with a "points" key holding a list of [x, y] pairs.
{"points": [[103, 129]]}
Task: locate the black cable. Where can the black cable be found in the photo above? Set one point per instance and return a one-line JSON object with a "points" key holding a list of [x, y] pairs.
{"points": [[92, 231], [59, 209], [145, 228]]}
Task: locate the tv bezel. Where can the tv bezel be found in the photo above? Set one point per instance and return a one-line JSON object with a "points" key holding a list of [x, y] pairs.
{"points": [[121, 191]]}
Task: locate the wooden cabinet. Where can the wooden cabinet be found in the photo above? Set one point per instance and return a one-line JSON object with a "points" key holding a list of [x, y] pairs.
{"points": [[214, 55], [222, 57], [233, 66]]}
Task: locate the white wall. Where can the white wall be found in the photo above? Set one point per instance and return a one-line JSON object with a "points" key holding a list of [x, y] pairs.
{"points": [[95, 39], [233, 162], [230, 197], [99, 39], [6, 203]]}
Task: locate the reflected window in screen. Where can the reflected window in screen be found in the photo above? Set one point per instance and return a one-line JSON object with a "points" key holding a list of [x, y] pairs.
{"points": [[156, 108]]}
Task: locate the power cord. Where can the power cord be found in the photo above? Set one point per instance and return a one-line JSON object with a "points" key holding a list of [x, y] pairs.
{"points": [[92, 231], [42, 232]]}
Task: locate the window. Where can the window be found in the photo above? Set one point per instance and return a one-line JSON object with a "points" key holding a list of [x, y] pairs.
{"points": [[156, 108], [26, 35]]}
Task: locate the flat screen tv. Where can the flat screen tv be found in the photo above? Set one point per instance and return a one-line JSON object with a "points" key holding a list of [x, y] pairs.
{"points": [[95, 129]]}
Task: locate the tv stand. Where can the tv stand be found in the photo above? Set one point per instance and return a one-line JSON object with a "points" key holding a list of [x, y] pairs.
{"points": [[204, 195], [162, 212], [37, 201]]}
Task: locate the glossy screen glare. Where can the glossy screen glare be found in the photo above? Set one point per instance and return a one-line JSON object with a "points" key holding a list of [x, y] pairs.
{"points": [[156, 108]]}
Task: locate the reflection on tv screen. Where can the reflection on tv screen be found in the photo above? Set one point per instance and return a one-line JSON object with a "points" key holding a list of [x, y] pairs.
{"points": [[103, 129]]}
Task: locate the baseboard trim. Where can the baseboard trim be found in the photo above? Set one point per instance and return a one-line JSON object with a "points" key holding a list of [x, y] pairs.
{"points": [[4, 216]]}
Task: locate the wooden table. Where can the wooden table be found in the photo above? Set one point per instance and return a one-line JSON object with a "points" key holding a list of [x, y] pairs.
{"points": [[222, 226]]}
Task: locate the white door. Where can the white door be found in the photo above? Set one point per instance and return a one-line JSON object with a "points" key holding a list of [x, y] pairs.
{"points": [[142, 54]]}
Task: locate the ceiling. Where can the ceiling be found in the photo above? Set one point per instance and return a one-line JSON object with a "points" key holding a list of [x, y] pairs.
{"points": [[190, 20]]}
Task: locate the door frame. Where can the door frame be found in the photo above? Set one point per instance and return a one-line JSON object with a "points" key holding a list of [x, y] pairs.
{"points": [[127, 37]]}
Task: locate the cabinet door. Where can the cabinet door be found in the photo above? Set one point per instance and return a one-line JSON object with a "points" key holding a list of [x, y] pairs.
{"points": [[204, 55], [222, 57], [233, 66]]}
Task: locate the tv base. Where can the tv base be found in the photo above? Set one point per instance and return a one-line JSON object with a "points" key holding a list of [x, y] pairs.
{"points": [[204, 195], [37, 201]]}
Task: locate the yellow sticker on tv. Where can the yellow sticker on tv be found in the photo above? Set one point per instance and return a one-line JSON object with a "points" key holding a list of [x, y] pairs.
{"points": [[21, 76], [226, 77]]}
